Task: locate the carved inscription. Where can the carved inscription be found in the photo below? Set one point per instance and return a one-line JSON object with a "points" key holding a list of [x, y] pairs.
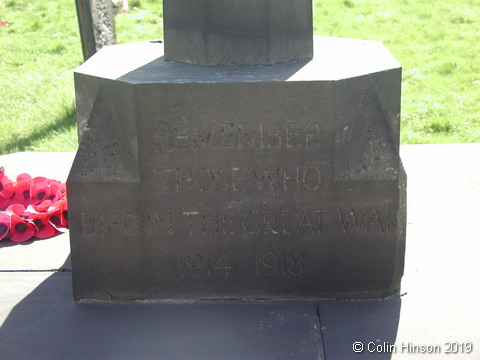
{"points": [[231, 223], [177, 136], [110, 222], [368, 220], [275, 179], [268, 264]]}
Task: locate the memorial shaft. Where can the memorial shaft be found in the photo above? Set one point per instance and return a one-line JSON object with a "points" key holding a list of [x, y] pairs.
{"points": [[237, 33]]}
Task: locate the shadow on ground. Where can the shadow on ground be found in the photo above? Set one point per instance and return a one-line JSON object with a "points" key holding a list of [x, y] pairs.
{"points": [[47, 325]]}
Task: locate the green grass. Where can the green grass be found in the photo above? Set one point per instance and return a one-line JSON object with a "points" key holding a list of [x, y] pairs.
{"points": [[38, 52], [437, 43], [435, 40], [143, 22]]}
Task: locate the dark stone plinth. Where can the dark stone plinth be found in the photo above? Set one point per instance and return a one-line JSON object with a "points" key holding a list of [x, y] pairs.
{"points": [[240, 32], [275, 182]]}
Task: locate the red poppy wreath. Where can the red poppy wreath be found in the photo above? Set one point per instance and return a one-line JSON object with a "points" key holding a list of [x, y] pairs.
{"points": [[31, 207]]}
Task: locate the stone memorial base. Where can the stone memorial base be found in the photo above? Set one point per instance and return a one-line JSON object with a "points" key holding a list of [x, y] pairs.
{"points": [[277, 182]]}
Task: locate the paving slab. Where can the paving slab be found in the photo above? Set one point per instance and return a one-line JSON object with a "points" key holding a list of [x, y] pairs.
{"points": [[47, 325], [35, 255], [443, 183], [441, 285], [358, 325]]}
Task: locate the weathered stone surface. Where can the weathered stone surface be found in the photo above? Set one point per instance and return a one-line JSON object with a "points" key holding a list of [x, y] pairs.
{"points": [[241, 32], [279, 182]]}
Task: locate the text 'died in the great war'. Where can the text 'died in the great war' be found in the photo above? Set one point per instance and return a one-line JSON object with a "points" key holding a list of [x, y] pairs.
{"points": [[232, 224]]}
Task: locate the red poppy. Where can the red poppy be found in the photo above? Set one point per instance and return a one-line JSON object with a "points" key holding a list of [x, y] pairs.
{"points": [[23, 177], [38, 179], [17, 209], [4, 225], [59, 217], [20, 229], [55, 196], [63, 191], [42, 207], [6, 186], [54, 190], [44, 227], [24, 187], [4, 201], [18, 196], [6, 190], [38, 192]]}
